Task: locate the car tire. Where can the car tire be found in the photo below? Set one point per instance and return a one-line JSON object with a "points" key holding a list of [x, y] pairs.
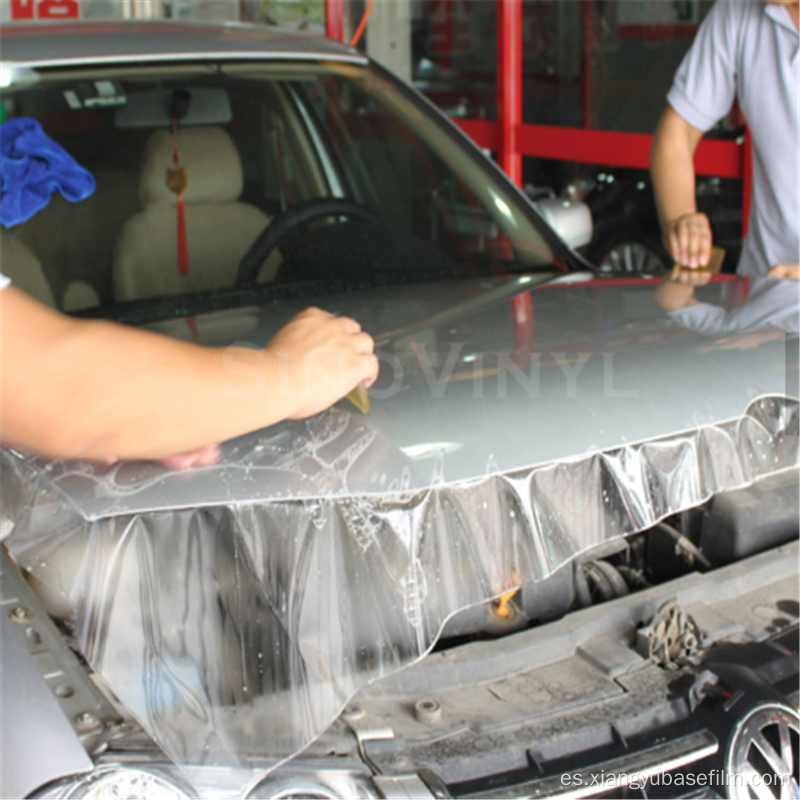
{"points": [[632, 257]]}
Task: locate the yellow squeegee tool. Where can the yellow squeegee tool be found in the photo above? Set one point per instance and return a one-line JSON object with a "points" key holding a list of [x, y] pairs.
{"points": [[360, 399], [713, 266]]}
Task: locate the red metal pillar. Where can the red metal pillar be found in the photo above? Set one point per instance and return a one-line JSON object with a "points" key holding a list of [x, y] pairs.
{"points": [[509, 87], [334, 19], [747, 180]]}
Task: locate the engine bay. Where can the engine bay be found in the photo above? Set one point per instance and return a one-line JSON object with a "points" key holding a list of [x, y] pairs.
{"points": [[731, 526]]}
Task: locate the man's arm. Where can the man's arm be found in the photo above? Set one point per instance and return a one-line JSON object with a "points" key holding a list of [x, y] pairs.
{"points": [[785, 271], [687, 233], [91, 389]]}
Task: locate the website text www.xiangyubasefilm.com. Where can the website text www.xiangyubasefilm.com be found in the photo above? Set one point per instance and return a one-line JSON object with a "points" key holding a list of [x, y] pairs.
{"points": [[602, 781]]}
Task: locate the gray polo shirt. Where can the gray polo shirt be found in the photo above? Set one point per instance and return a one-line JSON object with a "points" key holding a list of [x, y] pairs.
{"points": [[748, 49], [772, 303]]}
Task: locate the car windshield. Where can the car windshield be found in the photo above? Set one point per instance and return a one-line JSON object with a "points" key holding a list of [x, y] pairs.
{"points": [[290, 174]]}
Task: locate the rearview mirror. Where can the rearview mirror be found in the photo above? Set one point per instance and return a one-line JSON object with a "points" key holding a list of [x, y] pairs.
{"points": [[204, 105]]}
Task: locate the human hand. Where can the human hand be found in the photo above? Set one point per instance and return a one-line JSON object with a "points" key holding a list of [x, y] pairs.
{"points": [[743, 341], [785, 271], [688, 277], [203, 457], [676, 291], [321, 358], [689, 240]]}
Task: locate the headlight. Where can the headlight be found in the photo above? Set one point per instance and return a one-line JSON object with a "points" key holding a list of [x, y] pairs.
{"points": [[116, 782], [326, 784]]}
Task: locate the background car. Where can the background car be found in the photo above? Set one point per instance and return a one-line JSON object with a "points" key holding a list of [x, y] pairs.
{"points": [[562, 545]]}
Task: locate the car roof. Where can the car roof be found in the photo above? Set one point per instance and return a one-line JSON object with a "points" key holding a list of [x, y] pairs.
{"points": [[76, 43]]}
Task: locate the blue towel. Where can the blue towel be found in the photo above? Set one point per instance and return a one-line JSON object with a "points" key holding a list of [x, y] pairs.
{"points": [[32, 167]]}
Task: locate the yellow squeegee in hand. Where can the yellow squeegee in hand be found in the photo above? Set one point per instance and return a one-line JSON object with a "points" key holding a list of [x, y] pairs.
{"points": [[713, 266], [360, 399]]}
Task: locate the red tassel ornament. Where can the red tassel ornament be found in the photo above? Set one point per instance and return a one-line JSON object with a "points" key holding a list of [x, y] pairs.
{"points": [[183, 245], [177, 181]]}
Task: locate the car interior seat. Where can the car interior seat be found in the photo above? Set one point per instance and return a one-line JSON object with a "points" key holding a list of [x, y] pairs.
{"points": [[79, 295], [21, 265], [219, 228]]}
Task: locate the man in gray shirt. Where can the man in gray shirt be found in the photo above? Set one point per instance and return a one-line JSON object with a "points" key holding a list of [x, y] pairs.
{"points": [[746, 50], [772, 307]]}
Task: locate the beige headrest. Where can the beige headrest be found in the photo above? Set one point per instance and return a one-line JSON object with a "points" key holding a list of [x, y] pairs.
{"points": [[79, 295], [211, 160], [19, 263]]}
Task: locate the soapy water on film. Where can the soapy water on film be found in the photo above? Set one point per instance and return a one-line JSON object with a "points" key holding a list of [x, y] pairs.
{"points": [[299, 452]]}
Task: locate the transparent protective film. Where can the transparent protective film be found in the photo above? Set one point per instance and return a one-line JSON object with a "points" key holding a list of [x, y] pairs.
{"points": [[238, 631]]}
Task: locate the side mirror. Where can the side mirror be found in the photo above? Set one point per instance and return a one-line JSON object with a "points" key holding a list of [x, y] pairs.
{"points": [[570, 219]]}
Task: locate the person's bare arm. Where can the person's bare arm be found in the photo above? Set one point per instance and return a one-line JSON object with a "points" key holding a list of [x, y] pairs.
{"points": [[96, 390], [785, 271], [687, 233]]}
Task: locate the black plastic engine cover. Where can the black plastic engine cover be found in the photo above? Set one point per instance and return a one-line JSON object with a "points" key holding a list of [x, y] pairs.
{"points": [[747, 521]]}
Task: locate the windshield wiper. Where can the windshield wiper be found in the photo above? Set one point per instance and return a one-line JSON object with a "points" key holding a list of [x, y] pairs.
{"points": [[157, 309], [151, 310]]}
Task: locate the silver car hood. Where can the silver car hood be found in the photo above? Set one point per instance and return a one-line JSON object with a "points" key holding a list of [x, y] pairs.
{"points": [[527, 426]]}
